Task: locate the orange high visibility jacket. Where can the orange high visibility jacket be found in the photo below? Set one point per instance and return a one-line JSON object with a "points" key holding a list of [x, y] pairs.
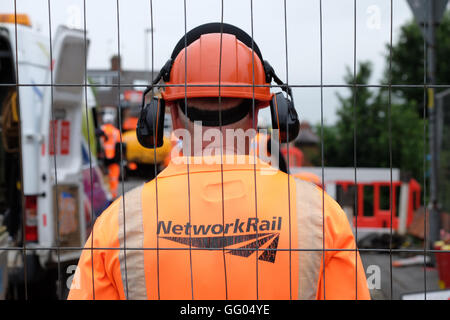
{"points": [[230, 231], [112, 137]]}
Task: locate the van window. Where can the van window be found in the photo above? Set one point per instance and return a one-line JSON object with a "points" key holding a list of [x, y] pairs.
{"points": [[385, 198], [368, 200]]}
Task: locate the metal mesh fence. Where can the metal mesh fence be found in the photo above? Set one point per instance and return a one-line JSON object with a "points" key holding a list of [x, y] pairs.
{"points": [[443, 130], [55, 88]]}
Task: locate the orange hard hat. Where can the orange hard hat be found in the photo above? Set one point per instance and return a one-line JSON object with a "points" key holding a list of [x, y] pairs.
{"points": [[237, 66], [217, 60]]}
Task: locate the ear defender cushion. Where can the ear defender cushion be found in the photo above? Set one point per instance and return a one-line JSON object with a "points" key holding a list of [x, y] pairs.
{"points": [[284, 118], [150, 127]]}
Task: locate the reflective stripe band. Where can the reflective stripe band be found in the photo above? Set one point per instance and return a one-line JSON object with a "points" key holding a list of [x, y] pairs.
{"points": [[134, 272], [310, 236]]}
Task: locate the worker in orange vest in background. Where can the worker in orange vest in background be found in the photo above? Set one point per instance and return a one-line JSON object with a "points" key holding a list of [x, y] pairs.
{"points": [[218, 222], [110, 136]]}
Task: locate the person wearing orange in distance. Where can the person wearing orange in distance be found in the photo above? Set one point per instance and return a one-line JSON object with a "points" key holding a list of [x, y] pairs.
{"points": [[110, 136], [225, 225]]}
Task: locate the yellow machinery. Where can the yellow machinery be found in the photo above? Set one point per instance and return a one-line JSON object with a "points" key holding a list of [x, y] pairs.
{"points": [[136, 155], [140, 155]]}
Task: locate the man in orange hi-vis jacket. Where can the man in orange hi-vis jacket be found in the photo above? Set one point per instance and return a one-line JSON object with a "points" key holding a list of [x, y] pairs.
{"points": [[218, 222], [110, 136]]}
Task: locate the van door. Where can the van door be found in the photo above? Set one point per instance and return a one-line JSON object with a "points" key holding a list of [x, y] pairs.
{"points": [[61, 210]]}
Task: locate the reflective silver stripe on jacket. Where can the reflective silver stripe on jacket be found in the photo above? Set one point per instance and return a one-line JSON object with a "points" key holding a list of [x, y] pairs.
{"points": [[132, 261], [310, 236]]}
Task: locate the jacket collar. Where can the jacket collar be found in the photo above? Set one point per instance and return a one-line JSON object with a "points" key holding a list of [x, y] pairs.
{"points": [[226, 162]]}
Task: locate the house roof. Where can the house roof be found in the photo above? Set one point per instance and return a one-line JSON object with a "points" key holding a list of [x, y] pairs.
{"points": [[307, 135]]}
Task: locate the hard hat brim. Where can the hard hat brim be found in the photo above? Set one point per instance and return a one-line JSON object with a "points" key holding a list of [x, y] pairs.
{"points": [[262, 95]]}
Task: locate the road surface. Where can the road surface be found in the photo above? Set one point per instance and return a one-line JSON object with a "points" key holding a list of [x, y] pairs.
{"points": [[409, 279]]}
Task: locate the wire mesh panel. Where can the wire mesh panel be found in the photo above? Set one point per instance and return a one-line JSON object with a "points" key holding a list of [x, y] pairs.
{"points": [[443, 116], [371, 146]]}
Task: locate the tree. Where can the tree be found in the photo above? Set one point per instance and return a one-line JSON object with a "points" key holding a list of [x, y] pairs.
{"points": [[408, 60], [408, 68], [369, 110]]}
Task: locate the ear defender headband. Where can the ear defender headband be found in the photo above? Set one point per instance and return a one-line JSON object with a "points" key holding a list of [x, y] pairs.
{"points": [[150, 127]]}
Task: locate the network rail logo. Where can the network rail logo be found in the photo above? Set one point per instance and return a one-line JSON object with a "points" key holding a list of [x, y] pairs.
{"points": [[240, 238]]}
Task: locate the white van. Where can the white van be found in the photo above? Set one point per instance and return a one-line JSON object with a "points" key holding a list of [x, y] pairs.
{"points": [[43, 152]]}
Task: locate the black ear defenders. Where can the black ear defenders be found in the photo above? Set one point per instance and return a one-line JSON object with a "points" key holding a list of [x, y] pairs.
{"points": [[284, 118], [150, 127]]}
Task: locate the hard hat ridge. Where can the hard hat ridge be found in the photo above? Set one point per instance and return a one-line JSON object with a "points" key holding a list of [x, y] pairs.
{"points": [[209, 54]]}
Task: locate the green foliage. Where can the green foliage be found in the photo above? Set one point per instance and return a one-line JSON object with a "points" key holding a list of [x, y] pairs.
{"points": [[369, 110], [408, 60], [388, 120]]}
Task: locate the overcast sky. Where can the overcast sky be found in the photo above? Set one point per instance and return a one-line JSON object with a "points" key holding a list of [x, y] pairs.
{"points": [[303, 35]]}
